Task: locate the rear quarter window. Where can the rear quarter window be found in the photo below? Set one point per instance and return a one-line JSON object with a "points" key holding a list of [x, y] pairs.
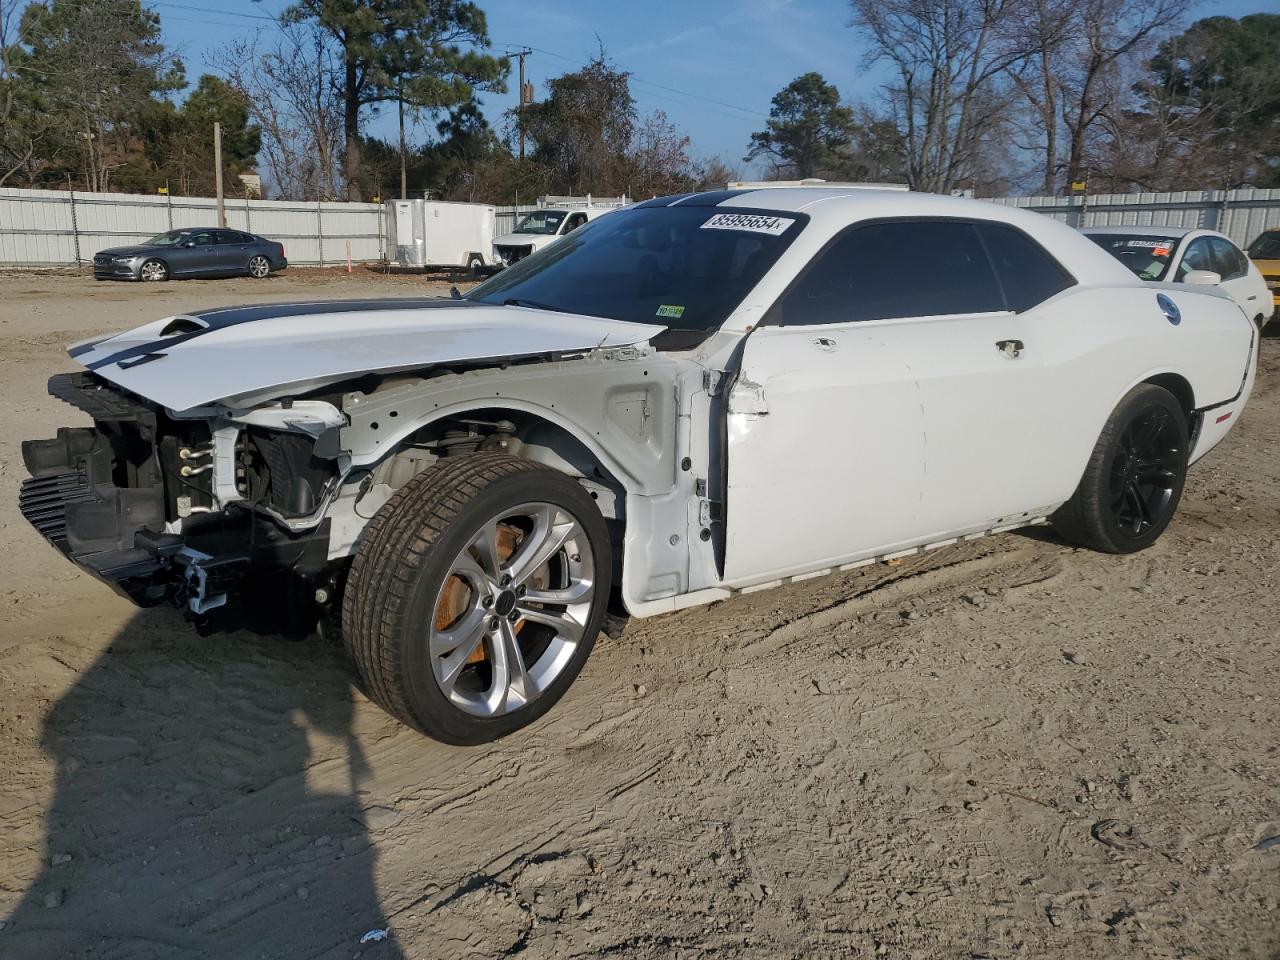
{"points": [[1028, 273]]}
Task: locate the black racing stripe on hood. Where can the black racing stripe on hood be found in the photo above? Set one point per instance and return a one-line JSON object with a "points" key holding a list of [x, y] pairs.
{"points": [[712, 198], [662, 201], [220, 318]]}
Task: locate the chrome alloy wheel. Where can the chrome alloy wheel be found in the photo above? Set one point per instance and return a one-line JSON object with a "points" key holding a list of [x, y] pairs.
{"points": [[512, 610], [259, 267], [154, 271]]}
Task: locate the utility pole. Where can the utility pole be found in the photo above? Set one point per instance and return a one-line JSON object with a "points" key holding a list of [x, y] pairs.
{"points": [[217, 172], [404, 188], [526, 95]]}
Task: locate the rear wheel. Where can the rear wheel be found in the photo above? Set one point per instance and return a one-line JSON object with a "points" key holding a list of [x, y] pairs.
{"points": [[154, 271], [1132, 485], [259, 267], [475, 596]]}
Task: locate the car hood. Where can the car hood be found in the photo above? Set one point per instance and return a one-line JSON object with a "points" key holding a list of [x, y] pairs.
{"points": [[517, 239], [243, 355], [125, 251]]}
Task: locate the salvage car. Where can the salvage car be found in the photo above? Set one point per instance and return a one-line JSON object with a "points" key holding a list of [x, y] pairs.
{"points": [[1181, 255], [692, 398], [195, 252]]}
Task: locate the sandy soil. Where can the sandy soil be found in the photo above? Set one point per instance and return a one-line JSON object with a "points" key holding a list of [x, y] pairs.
{"points": [[1006, 749]]}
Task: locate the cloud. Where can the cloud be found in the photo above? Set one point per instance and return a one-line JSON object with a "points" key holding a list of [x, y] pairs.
{"points": [[674, 39]]}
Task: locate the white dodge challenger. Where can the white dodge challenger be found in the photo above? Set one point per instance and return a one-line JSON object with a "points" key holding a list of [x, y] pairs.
{"points": [[693, 397]]}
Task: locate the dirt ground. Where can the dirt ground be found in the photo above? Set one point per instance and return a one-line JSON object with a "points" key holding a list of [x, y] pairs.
{"points": [[1005, 749]]}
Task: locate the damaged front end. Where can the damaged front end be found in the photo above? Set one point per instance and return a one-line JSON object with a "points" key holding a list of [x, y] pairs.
{"points": [[196, 511]]}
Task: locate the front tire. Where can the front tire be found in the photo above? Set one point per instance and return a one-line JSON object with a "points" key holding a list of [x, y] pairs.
{"points": [[1132, 485], [154, 271], [476, 595]]}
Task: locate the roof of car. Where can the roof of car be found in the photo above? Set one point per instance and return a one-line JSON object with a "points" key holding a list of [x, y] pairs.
{"points": [[1144, 231], [830, 207]]}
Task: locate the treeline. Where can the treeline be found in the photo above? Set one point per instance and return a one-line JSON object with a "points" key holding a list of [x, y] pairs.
{"points": [[997, 96], [1005, 96]]}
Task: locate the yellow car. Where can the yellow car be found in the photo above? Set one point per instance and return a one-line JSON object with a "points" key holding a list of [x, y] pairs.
{"points": [[1265, 253]]}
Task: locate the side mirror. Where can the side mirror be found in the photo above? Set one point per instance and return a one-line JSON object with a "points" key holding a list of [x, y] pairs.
{"points": [[1202, 278]]}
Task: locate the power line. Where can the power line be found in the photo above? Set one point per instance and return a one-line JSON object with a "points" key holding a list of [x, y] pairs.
{"points": [[650, 83]]}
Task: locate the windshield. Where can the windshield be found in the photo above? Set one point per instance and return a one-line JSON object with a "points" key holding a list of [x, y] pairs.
{"points": [[1266, 247], [1146, 255], [167, 239], [545, 222], [686, 268]]}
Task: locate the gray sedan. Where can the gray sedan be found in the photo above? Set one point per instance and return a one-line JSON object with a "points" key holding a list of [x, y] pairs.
{"points": [[196, 252]]}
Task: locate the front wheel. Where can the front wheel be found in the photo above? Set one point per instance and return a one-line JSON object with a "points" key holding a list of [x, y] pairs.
{"points": [[259, 267], [154, 271], [1132, 485], [476, 595]]}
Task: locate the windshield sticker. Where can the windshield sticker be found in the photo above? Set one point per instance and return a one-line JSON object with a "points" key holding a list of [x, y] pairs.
{"points": [[753, 223], [1160, 252], [1162, 244], [669, 310]]}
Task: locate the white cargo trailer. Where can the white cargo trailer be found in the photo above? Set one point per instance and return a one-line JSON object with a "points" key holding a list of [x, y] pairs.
{"points": [[437, 233]]}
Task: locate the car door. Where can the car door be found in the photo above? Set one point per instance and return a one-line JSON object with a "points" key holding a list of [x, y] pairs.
{"points": [[231, 252], [195, 256], [884, 403]]}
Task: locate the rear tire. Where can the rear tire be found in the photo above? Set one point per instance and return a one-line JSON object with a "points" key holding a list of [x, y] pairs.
{"points": [[459, 641], [259, 267], [475, 265], [1133, 482]]}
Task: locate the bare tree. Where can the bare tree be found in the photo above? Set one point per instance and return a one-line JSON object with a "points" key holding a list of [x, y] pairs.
{"points": [[1087, 59], [290, 83], [952, 59], [659, 158]]}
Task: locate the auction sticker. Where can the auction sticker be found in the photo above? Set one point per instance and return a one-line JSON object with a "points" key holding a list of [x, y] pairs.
{"points": [[1149, 243], [751, 222], [670, 310]]}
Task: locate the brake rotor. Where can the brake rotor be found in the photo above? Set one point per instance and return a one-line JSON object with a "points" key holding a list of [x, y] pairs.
{"points": [[456, 596]]}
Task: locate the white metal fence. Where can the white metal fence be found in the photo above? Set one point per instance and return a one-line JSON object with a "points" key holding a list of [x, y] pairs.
{"points": [[61, 227], [1240, 214]]}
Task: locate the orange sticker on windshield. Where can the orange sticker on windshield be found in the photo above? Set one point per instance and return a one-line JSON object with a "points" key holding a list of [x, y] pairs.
{"points": [[1160, 252]]}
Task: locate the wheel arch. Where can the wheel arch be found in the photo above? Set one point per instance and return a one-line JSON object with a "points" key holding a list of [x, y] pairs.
{"points": [[540, 434], [1179, 386]]}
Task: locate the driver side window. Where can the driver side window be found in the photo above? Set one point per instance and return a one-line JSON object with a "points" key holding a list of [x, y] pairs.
{"points": [[895, 269], [575, 221], [202, 239], [1199, 256]]}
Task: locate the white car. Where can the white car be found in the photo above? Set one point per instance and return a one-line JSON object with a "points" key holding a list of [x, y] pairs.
{"points": [[704, 395], [1182, 255], [541, 228]]}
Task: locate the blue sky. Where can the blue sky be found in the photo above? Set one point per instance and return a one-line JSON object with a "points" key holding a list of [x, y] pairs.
{"points": [[711, 65]]}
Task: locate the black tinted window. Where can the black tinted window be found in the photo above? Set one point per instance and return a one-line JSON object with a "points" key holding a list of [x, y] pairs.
{"points": [[1231, 262], [1027, 273], [897, 269]]}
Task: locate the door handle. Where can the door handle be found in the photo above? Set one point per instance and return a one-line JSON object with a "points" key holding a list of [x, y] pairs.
{"points": [[824, 343], [1010, 348]]}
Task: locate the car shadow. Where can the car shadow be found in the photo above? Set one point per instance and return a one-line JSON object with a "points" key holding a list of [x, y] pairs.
{"points": [[206, 804]]}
